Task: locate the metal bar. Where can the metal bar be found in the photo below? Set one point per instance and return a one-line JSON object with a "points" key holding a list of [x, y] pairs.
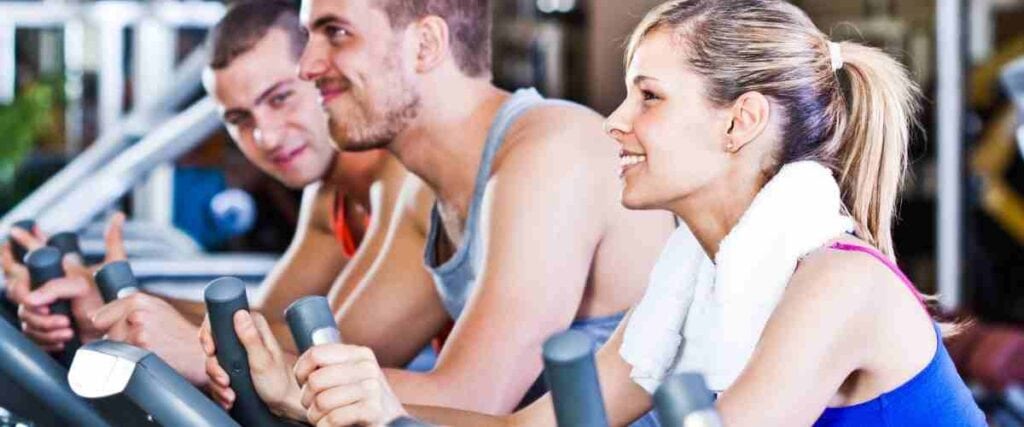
{"points": [[189, 14], [949, 135], [185, 14], [74, 70], [8, 63], [36, 15], [169, 141], [153, 56], [111, 143], [982, 30], [111, 76]]}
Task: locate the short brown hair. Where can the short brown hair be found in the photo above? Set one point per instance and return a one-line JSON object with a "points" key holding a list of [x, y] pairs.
{"points": [[469, 23], [246, 23]]}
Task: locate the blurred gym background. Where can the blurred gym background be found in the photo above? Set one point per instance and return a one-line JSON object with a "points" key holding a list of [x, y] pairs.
{"points": [[101, 109]]}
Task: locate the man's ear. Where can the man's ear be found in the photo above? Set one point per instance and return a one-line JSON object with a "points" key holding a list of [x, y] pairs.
{"points": [[431, 38]]}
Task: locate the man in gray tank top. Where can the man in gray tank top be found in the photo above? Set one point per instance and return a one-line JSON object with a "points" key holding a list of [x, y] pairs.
{"points": [[527, 236]]}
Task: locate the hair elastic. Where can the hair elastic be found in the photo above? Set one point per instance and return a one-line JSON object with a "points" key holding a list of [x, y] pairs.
{"points": [[836, 55]]}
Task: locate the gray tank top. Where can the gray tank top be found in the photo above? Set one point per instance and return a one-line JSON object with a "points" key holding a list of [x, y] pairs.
{"points": [[455, 279]]}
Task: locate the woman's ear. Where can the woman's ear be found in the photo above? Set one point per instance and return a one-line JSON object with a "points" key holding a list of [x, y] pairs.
{"points": [[432, 45], [748, 118]]}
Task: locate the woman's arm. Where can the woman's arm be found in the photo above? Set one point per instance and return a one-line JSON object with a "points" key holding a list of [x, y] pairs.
{"points": [[816, 337]]}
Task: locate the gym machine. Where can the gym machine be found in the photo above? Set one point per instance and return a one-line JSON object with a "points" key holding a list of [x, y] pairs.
{"points": [[224, 297], [571, 375], [684, 399]]}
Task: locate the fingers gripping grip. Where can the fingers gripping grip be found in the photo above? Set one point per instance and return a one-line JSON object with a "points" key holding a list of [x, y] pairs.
{"points": [[17, 249], [44, 265], [66, 243], [311, 322], [224, 297], [571, 376]]}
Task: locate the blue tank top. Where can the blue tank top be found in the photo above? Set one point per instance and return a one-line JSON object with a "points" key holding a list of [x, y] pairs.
{"points": [[935, 397]]}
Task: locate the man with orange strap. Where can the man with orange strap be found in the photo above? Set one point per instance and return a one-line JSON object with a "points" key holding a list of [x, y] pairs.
{"points": [[277, 122]]}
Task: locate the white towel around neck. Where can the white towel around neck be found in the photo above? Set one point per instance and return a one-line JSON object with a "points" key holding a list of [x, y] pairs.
{"points": [[707, 317]]}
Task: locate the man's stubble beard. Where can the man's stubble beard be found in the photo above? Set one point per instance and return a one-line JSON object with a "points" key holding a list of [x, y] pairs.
{"points": [[378, 127]]}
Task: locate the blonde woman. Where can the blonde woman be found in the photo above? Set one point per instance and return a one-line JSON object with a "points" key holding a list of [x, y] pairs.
{"points": [[737, 121]]}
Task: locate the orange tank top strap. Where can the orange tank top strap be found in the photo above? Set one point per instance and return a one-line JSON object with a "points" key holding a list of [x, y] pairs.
{"points": [[342, 232]]}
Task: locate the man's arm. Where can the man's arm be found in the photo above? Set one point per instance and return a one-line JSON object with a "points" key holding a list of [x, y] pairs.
{"points": [[544, 214], [396, 310], [311, 263], [384, 197], [309, 266], [625, 400]]}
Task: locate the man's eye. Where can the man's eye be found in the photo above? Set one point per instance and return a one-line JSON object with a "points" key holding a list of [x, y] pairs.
{"points": [[240, 123], [335, 32], [279, 99]]}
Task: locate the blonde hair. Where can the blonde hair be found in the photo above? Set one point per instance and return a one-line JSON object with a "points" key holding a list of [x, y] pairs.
{"points": [[772, 47]]}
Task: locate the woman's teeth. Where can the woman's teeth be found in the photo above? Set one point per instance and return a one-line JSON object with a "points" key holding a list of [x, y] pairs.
{"points": [[630, 160]]}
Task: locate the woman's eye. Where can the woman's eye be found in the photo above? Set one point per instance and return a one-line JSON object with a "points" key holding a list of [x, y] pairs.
{"points": [[648, 95]]}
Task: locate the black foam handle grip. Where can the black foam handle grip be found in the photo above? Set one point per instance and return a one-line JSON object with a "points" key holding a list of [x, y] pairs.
{"points": [[407, 422], [115, 279], [311, 322], [66, 243], [224, 297], [571, 375], [44, 265], [681, 395], [17, 249]]}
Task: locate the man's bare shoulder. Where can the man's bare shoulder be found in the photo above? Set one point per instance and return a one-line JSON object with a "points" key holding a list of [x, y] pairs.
{"points": [[416, 202], [317, 207], [555, 140]]}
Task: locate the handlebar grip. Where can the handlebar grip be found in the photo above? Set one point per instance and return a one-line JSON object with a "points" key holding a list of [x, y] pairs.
{"points": [[44, 265], [116, 280], [685, 399], [224, 297], [311, 322], [66, 243], [571, 375]]}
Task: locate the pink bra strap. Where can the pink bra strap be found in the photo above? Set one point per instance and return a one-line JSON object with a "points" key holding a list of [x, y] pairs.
{"points": [[885, 260]]}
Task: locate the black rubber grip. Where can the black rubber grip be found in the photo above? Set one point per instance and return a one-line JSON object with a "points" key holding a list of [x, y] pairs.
{"points": [[17, 250], [115, 278], [224, 297], [681, 395], [571, 375], [44, 265], [66, 243], [407, 422], [308, 316]]}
